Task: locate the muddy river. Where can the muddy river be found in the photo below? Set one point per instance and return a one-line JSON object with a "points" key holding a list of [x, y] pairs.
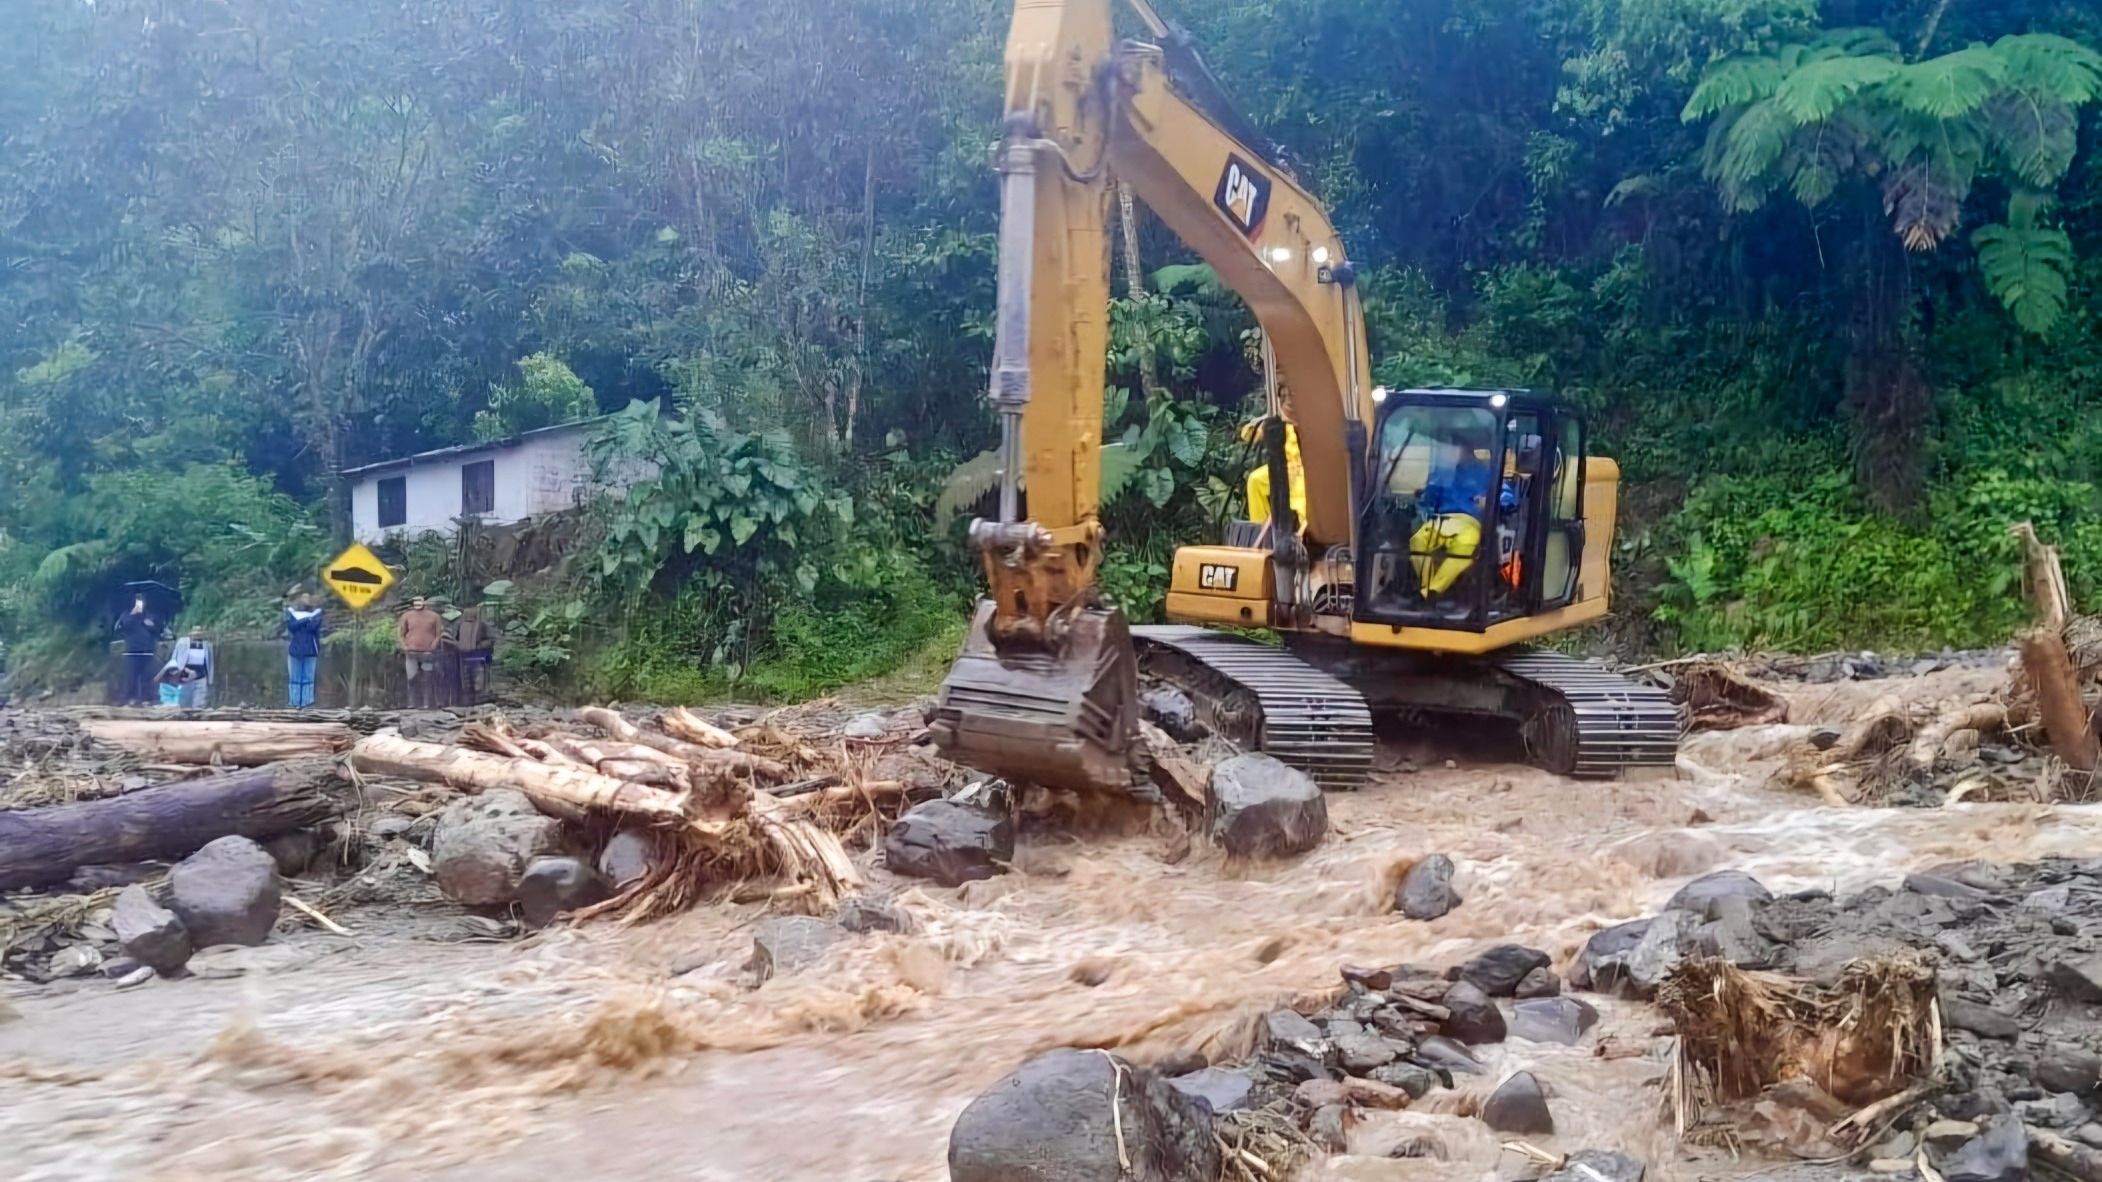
{"points": [[642, 1054]]}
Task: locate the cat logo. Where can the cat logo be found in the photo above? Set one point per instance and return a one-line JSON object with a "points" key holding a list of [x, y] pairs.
{"points": [[1243, 195], [1217, 577]]}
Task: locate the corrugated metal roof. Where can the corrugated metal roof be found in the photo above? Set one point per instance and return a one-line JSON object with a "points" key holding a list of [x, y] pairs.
{"points": [[467, 449]]}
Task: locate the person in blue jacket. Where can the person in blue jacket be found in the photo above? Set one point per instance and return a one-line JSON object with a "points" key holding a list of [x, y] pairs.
{"points": [[303, 625]]}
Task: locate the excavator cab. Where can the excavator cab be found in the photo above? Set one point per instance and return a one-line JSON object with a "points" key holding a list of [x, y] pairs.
{"points": [[1473, 509]]}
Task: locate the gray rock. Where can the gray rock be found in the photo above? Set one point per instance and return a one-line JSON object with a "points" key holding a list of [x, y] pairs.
{"points": [[1475, 1018], [226, 893], [1949, 1133], [867, 913], [2064, 1067], [1360, 1052], [1373, 979], [1498, 971], [1518, 1105], [1732, 936], [1999, 1154], [1447, 1054], [1981, 1020], [787, 943], [76, 960], [1291, 1031], [148, 932], [1416, 1081], [1541, 982], [1218, 1089], [117, 967], [483, 844], [1262, 808], [1552, 1019], [2089, 1134], [1330, 1128], [1632, 959], [949, 843], [2049, 901], [2059, 1110], [2078, 980], [1172, 711], [551, 886], [1941, 887], [628, 858], [1422, 1146], [1051, 1120], [1702, 894], [871, 725], [1183, 1062], [391, 825], [1598, 1165], [1426, 890]]}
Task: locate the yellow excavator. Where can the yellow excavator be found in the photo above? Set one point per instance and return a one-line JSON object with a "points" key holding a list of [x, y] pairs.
{"points": [[1443, 529]]}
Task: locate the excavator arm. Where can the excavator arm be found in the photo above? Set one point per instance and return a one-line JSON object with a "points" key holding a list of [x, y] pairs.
{"points": [[1046, 686]]}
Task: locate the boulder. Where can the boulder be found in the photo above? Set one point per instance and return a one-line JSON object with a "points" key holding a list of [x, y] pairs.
{"points": [[75, 960], [293, 852], [869, 913], [869, 726], [1330, 1128], [1217, 1089], [1446, 1054], [483, 844], [1733, 936], [2066, 1067], [949, 843], [1941, 887], [1703, 894], [1262, 808], [1541, 982], [2078, 980], [1183, 1062], [1551, 1019], [1498, 971], [148, 932], [1598, 1165], [1426, 890], [226, 893], [787, 943], [1475, 1018], [1172, 711], [1360, 1052], [1416, 1080], [1999, 1154], [1982, 1020], [1631, 959], [551, 886], [628, 858], [1051, 1120], [1518, 1105], [1373, 979], [1291, 1031]]}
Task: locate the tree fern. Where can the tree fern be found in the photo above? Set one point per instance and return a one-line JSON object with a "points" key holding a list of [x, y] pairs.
{"points": [[965, 486], [1734, 83], [2046, 66], [1949, 86], [1756, 137], [2026, 267], [1815, 91], [2035, 138]]}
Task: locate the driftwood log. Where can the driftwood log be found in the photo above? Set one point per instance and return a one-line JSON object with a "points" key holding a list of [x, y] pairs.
{"points": [[562, 785], [41, 846], [235, 744], [706, 747]]}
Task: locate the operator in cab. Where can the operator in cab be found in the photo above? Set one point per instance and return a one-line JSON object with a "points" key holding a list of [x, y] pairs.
{"points": [[1455, 501]]}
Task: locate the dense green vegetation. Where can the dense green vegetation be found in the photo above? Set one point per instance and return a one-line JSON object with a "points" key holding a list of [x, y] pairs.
{"points": [[1827, 272]]}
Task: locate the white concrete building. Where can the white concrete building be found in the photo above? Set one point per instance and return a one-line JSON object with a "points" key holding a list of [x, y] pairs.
{"points": [[498, 482]]}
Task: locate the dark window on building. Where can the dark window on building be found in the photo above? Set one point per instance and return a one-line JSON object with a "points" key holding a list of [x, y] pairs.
{"points": [[394, 501], [478, 488]]}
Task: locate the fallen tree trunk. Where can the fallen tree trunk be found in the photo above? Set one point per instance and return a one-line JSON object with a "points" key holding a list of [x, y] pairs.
{"points": [[713, 757], [685, 724], [41, 846], [239, 744], [1983, 717], [387, 753]]}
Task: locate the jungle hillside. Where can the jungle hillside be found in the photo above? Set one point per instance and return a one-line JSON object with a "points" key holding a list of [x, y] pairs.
{"points": [[1825, 274]]}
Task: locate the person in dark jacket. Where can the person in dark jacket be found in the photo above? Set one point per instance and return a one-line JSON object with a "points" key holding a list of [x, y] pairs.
{"points": [[141, 634], [303, 626]]}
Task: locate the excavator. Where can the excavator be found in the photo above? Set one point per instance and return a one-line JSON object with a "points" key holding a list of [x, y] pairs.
{"points": [[1443, 531]]}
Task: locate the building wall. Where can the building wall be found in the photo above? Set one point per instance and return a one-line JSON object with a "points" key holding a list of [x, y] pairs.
{"points": [[540, 474]]}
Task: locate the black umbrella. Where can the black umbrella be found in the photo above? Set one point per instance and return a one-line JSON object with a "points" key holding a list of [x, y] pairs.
{"points": [[163, 602]]}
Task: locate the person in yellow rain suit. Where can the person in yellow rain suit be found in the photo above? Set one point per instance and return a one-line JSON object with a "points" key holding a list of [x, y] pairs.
{"points": [[1259, 478], [1456, 499]]}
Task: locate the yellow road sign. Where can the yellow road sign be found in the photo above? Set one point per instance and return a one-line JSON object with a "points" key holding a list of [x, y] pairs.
{"points": [[357, 576]]}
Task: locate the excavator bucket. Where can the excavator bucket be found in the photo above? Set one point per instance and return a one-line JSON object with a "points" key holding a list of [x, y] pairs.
{"points": [[1063, 715]]}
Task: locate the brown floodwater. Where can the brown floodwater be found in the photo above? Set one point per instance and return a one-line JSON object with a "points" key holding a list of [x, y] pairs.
{"points": [[641, 1053]]}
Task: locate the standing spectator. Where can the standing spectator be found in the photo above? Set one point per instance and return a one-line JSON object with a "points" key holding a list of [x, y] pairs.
{"points": [[141, 634], [473, 642], [192, 657], [421, 632], [303, 627]]}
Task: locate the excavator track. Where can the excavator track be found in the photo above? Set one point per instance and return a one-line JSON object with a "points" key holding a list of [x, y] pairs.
{"points": [[1265, 699], [1581, 719]]}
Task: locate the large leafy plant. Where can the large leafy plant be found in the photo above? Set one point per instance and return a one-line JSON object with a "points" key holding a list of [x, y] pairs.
{"points": [[1848, 106]]}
